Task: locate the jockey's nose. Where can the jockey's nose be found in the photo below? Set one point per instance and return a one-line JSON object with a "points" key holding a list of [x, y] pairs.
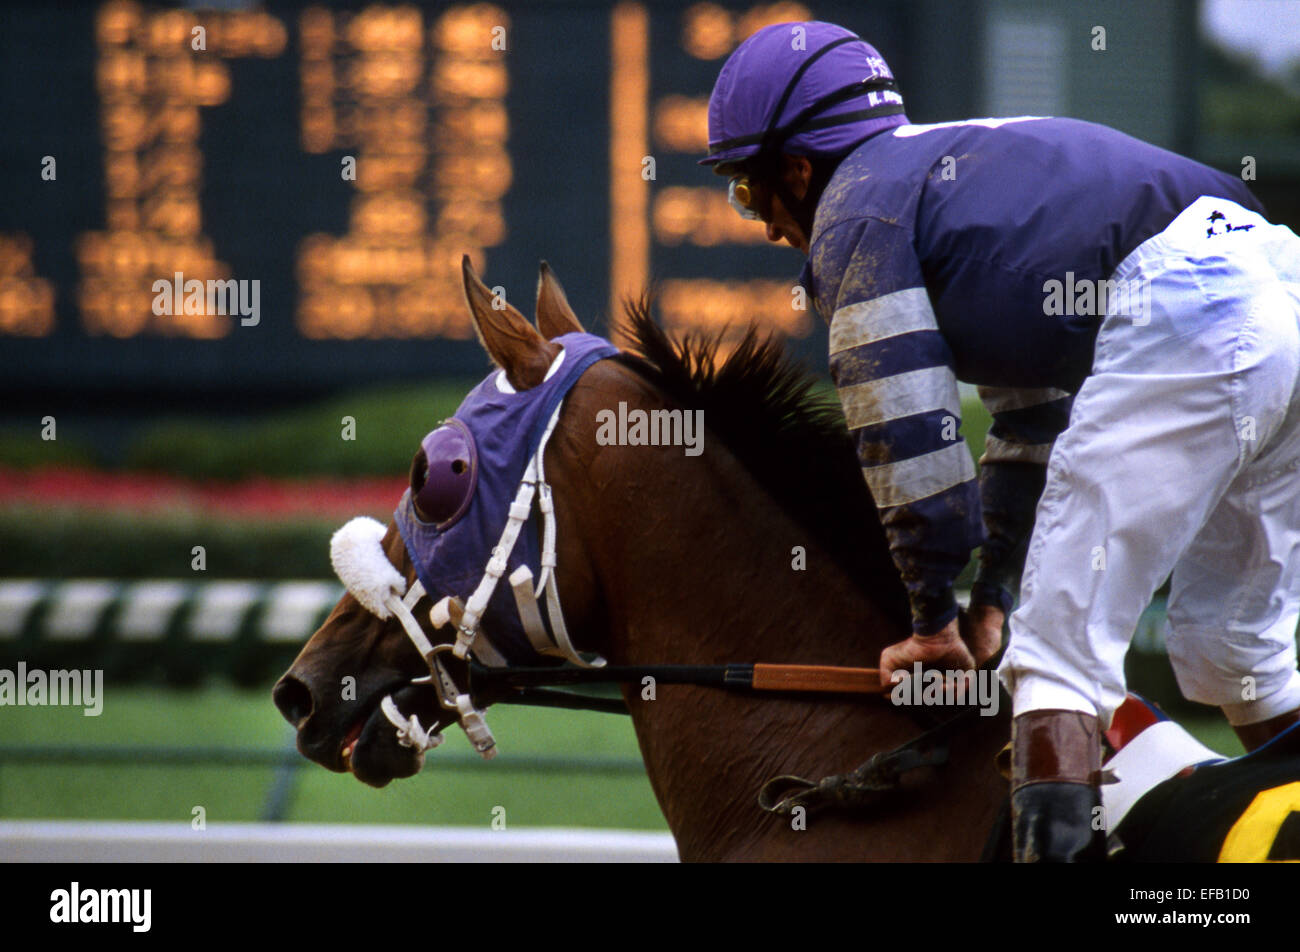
{"points": [[293, 699], [774, 233]]}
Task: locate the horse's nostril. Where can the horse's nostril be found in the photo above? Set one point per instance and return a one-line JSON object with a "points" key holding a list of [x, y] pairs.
{"points": [[293, 699]]}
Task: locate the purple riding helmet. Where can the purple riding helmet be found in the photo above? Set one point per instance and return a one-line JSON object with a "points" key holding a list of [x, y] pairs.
{"points": [[811, 89]]}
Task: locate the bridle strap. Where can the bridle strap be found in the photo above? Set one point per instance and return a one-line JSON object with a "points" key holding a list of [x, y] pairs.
{"points": [[556, 642], [548, 581], [410, 732], [357, 554], [520, 509], [401, 607]]}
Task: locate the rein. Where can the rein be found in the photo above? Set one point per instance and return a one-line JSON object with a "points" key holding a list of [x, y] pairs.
{"points": [[499, 683], [875, 779]]}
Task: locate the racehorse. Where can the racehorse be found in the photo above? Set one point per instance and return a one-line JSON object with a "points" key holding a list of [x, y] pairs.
{"points": [[764, 547]]}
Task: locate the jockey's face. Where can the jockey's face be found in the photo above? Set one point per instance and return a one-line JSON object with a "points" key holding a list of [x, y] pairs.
{"points": [[781, 222]]}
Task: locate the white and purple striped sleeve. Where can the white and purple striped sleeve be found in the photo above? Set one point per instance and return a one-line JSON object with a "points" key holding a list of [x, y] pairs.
{"points": [[893, 370]]}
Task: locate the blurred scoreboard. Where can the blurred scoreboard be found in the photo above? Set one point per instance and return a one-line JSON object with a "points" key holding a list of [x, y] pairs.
{"points": [[275, 199]]}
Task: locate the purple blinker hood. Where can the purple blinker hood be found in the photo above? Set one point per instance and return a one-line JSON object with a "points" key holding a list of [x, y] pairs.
{"points": [[503, 431]]}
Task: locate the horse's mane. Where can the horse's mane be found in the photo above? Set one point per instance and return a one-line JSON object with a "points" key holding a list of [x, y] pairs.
{"points": [[765, 409]]}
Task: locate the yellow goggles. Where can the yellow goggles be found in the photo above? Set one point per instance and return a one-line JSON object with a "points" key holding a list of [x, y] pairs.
{"points": [[740, 196]]}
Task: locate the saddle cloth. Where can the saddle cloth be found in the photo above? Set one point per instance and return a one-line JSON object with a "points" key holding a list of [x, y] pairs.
{"points": [[1176, 800]]}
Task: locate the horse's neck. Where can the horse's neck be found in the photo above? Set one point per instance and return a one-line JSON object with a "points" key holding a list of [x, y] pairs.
{"points": [[713, 569], [700, 568]]}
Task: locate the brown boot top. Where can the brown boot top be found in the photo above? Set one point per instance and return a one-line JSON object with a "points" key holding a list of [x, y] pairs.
{"points": [[1055, 746]]}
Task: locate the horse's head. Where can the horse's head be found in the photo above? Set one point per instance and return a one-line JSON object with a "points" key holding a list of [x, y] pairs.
{"points": [[460, 568]]}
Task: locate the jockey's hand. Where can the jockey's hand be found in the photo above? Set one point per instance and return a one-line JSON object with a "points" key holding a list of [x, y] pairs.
{"points": [[944, 649], [981, 629]]}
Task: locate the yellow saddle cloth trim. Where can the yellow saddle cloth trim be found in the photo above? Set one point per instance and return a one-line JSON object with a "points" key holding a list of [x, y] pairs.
{"points": [[1251, 837]]}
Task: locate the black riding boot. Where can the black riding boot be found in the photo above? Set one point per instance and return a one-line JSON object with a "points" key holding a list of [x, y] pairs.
{"points": [[1055, 798]]}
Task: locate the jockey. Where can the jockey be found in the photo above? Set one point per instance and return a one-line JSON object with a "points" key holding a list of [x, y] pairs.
{"points": [[1132, 322]]}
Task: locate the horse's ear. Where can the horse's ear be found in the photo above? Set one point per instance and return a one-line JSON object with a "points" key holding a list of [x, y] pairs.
{"points": [[554, 316], [512, 343]]}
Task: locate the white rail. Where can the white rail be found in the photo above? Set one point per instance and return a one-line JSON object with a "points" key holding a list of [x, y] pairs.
{"points": [[40, 841]]}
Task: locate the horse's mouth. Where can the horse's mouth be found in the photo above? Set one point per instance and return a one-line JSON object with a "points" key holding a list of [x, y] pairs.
{"points": [[370, 750], [349, 742]]}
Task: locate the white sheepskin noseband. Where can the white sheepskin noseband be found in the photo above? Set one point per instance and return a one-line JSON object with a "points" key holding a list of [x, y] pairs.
{"points": [[357, 554]]}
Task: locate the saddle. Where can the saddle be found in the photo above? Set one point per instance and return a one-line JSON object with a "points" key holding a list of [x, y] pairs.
{"points": [[1175, 800]]}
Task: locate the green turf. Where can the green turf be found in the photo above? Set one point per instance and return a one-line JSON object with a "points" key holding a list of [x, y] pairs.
{"points": [[454, 788]]}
